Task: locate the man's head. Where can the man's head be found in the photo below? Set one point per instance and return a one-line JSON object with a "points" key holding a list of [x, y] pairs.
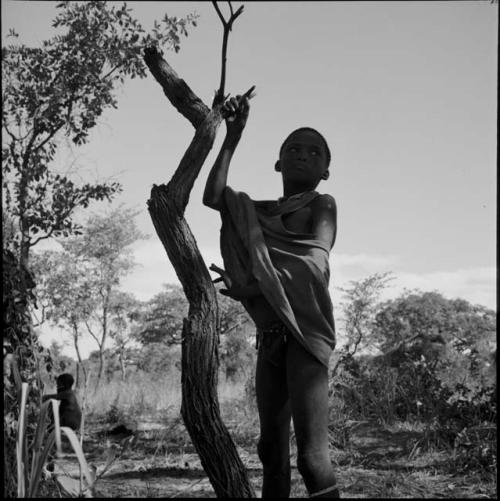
{"points": [[304, 158], [64, 382]]}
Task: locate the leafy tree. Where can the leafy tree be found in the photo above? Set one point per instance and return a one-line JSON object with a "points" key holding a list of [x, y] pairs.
{"points": [[236, 352], [156, 358], [437, 360], [62, 88], [418, 319], [65, 294], [80, 285], [359, 306], [160, 319], [60, 363], [124, 311]]}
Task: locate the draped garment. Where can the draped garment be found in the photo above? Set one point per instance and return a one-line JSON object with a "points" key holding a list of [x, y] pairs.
{"points": [[292, 269]]}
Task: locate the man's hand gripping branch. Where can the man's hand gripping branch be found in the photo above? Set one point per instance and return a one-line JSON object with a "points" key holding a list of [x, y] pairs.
{"points": [[234, 292], [235, 110]]}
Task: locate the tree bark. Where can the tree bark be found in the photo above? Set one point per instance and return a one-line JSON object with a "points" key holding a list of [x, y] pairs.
{"points": [[200, 407]]}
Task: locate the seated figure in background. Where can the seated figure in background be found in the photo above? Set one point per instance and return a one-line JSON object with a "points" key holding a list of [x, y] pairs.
{"points": [[70, 414]]}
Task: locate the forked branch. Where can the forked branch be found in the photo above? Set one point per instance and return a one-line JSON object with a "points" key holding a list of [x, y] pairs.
{"points": [[219, 95]]}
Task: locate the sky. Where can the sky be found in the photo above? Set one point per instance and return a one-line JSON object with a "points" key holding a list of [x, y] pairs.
{"points": [[404, 92]]}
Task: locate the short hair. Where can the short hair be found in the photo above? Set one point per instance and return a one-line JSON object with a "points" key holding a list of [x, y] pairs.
{"points": [[65, 381], [310, 129]]}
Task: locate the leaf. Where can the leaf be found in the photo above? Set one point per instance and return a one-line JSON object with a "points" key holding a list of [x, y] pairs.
{"points": [[71, 486]]}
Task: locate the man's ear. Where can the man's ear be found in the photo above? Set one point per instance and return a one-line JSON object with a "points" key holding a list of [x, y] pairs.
{"points": [[277, 166], [325, 175]]}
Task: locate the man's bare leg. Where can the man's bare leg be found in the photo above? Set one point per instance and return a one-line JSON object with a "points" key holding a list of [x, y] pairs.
{"points": [[274, 415], [308, 390]]}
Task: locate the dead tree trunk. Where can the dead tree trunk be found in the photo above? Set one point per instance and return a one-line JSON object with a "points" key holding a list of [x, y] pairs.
{"points": [[200, 337]]}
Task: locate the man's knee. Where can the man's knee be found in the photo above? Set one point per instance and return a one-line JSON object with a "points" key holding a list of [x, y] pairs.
{"points": [[273, 452], [313, 464]]}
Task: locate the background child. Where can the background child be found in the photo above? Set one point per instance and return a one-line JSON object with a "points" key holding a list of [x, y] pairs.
{"points": [[70, 414]]}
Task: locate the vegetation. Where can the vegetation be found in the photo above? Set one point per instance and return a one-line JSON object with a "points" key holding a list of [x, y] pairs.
{"points": [[57, 90], [426, 408], [79, 286], [61, 89]]}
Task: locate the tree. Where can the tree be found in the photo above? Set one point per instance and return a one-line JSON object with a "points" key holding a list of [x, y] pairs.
{"points": [[235, 349], [81, 288], [62, 88], [422, 318], [161, 318], [427, 326], [200, 409], [160, 321], [361, 300], [440, 352], [65, 292], [124, 311]]}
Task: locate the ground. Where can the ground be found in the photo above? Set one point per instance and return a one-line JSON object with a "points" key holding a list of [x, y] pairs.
{"points": [[379, 462]]}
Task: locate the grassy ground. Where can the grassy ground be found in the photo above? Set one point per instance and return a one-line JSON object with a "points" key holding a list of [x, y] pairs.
{"points": [[162, 463], [376, 461]]}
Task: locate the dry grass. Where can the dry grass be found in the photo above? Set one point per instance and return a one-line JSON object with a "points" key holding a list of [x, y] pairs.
{"points": [[378, 461], [136, 396]]}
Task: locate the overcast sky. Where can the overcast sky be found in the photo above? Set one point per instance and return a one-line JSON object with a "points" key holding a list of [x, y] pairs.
{"points": [[404, 92]]}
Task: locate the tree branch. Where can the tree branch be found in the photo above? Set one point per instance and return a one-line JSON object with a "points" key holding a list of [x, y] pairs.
{"points": [[11, 134], [92, 334], [177, 91], [220, 14], [228, 25]]}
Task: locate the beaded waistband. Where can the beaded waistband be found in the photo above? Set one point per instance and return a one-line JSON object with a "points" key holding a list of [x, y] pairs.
{"points": [[273, 331], [275, 328]]}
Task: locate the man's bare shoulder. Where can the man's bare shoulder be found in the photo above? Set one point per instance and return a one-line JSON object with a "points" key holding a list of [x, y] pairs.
{"points": [[324, 219], [324, 202]]}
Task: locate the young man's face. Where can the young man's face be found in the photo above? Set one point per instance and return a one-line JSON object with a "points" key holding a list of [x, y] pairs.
{"points": [[304, 159]]}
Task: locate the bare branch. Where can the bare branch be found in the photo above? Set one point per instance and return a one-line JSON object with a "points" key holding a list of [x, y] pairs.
{"points": [[14, 138], [98, 341], [220, 14], [51, 135], [109, 73], [219, 95], [177, 91], [236, 14]]}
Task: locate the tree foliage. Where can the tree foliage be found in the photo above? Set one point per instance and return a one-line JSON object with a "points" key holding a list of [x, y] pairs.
{"points": [[59, 89], [360, 302], [437, 367], [62, 88], [79, 286], [429, 315], [124, 314], [160, 320]]}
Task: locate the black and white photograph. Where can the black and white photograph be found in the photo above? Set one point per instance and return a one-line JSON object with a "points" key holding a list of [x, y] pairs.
{"points": [[250, 248]]}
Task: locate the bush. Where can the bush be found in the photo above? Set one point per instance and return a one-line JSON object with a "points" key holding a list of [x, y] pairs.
{"points": [[475, 449]]}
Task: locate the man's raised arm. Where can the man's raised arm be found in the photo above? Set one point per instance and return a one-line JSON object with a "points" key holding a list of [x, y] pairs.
{"points": [[236, 110]]}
